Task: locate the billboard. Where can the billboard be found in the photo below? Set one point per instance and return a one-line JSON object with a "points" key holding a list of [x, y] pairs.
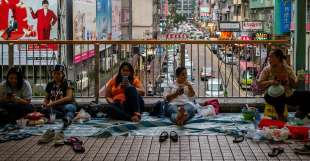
{"points": [[116, 19], [84, 28], [252, 26], [104, 20], [285, 15], [29, 20]]}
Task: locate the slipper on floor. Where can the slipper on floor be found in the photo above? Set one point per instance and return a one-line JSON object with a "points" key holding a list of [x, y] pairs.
{"points": [[275, 152], [3, 139], [163, 136], [72, 140], [302, 151], [76, 144], [174, 136], [238, 139], [17, 136], [78, 147]]}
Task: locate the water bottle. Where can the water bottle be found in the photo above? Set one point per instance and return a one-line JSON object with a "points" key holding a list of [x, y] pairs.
{"points": [[257, 118]]}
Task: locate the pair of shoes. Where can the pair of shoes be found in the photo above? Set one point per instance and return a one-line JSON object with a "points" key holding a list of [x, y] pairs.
{"points": [[50, 135], [66, 122], [275, 152], [164, 136], [76, 144]]}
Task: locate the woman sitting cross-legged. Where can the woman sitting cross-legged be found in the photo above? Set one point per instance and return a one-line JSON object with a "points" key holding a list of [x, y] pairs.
{"points": [[15, 97], [180, 107], [59, 97], [123, 93]]}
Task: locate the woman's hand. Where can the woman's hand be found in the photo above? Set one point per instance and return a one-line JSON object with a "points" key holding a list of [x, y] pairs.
{"points": [[274, 82], [110, 100]]}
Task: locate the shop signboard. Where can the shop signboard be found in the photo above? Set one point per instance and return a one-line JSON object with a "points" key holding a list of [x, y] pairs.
{"points": [[252, 26], [230, 26]]}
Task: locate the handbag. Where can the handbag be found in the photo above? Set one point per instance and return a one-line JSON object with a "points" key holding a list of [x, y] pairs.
{"points": [[256, 90]]}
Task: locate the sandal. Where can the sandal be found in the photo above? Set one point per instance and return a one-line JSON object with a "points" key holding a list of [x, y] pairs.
{"points": [[3, 139], [76, 144], [174, 136], [163, 136], [275, 152], [238, 139]]}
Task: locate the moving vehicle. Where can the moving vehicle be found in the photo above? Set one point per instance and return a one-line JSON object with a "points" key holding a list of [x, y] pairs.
{"points": [[248, 72]]}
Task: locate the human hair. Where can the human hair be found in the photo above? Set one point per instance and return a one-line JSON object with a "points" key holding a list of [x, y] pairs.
{"points": [[19, 75], [179, 70], [44, 2], [60, 68], [119, 75], [278, 53]]}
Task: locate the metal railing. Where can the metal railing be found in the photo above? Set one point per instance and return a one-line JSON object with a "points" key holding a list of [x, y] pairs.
{"points": [[215, 68]]}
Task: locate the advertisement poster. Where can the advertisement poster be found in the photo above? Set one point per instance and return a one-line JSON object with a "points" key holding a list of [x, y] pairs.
{"points": [[84, 28], [104, 20], [29, 20], [116, 19]]}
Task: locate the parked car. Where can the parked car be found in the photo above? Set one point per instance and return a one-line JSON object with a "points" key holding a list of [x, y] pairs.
{"points": [[215, 88], [206, 73], [229, 58]]}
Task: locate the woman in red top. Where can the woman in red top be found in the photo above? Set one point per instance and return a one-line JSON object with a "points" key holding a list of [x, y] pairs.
{"points": [[123, 94]]}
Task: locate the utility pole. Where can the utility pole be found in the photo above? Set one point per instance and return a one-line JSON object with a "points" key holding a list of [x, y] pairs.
{"points": [[130, 21]]}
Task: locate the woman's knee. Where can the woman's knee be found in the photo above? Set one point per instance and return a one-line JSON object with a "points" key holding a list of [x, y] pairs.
{"points": [[70, 107]]}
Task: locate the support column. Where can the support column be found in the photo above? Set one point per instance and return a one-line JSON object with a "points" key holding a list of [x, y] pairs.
{"points": [[300, 38]]}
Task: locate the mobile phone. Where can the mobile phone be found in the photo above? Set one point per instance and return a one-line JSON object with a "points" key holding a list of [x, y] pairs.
{"points": [[125, 78]]}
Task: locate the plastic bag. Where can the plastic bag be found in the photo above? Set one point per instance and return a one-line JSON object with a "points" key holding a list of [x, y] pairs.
{"points": [[207, 111], [277, 134], [215, 103], [82, 116]]}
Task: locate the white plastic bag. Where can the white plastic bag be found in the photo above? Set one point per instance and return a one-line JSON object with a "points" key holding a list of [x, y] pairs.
{"points": [[82, 116], [207, 111]]}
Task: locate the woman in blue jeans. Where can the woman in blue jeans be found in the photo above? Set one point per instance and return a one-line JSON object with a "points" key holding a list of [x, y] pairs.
{"points": [[59, 98], [15, 97], [180, 107]]}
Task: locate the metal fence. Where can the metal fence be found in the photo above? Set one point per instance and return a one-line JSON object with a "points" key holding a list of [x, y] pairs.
{"points": [[215, 68]]}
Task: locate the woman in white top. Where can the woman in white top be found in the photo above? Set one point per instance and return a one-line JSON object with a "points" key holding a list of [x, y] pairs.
{"points": [[180, 107]]}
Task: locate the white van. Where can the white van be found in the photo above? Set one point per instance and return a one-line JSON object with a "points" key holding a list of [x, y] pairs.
{"points": [[82, 80], [215, 88]]}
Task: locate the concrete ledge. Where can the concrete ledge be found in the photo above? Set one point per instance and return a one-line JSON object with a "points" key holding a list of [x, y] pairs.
{"points": [[228, 105]]}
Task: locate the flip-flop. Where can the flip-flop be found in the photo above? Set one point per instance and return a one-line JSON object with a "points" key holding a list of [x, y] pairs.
{"points": [[275, 152], [163, 136], [71, 140], [76, 144], [238, 139], [302, 151], [3, 139], [174, 136]]}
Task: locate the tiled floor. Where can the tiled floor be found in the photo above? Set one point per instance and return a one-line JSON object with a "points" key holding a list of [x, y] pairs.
{"points": [[148, 148]]}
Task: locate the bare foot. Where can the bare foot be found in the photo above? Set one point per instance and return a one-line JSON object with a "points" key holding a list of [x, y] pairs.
{"points": [[135, 119], [181, 116]]}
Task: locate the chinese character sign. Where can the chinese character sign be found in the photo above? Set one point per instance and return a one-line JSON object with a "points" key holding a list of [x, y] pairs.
{"points": [[285, 15]]}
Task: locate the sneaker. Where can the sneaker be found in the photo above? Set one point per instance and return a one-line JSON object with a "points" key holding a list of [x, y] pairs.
{"points": [[47, 137], [59, 139], [66, 122]]}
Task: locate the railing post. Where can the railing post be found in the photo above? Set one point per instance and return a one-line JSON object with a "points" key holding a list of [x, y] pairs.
{"points": [[11, 55], [97, 70], [182, 56]]}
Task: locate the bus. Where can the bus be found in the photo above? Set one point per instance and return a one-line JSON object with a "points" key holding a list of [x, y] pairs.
{"points": [[248, 72]]}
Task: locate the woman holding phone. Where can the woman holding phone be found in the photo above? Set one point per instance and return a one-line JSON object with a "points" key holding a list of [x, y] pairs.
{"points": [[180, 107], [15, 97], [123, 93]]}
